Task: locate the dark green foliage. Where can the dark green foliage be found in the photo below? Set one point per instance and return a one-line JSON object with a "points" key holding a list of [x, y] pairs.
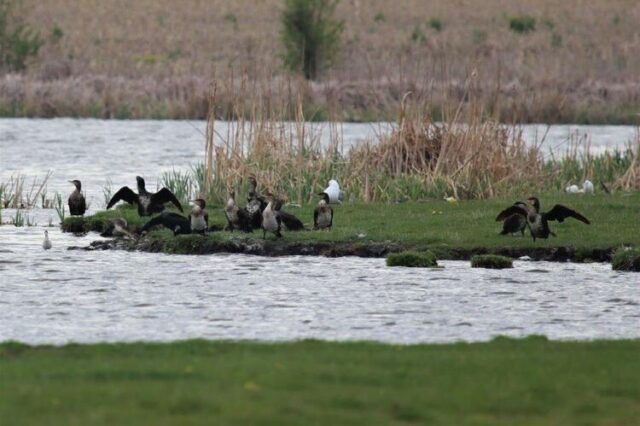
{"points": [[522, 24], [311, 35], [436, 24], [379, 18], [556, 40], [56, 33], [626, 259], [412, 259], [417, 35], [491, 261], [18, 42], [231, 19]]}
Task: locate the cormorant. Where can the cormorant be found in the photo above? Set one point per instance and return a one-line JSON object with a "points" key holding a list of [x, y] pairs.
{"points": [[323, 213], [334, 192], [255, 204], [77, 203], [197, 222], [514, 222], [46, 244], [290, 222], [237, 218], [116, 228], [538, 222], [148, 202], [271, 220]]}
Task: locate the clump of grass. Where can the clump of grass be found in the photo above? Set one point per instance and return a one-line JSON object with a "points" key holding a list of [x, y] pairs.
{"points": [[491, 261], [107, 192], [22, 219], [626, 259], [17, 195], [417, 35], [182, 184], [436, 24], [522, 24], [379, 18], [58, 205], [412, 259]]}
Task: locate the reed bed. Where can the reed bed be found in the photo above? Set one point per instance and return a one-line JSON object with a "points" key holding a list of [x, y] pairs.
{"points": [[465, 156], [17, 194]]}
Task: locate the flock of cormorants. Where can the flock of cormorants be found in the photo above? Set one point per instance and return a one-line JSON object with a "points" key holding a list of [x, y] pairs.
{"points": [[265, 212], [260, 212]]}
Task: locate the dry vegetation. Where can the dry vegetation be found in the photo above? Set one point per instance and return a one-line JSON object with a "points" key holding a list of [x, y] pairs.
{"points": [[464, 156], [152, 58]]}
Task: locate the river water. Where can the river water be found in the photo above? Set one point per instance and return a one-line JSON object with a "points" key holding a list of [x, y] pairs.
{"points": [[63, 295]]}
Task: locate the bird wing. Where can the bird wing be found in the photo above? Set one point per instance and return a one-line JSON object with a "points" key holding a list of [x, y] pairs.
{"points": [[169, 220], [126, 194], [165, 196], [291, 222], [560, 213], [515, 209]]}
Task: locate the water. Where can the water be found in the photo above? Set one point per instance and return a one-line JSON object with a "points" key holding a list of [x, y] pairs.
{"points": [[64, 295], [98, 151], [61, 295]]}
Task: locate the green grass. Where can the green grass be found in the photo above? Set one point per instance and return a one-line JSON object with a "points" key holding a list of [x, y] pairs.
{"points": [[505, 382], [491, 261], [413, 259], [626, 259], [441, 226]]}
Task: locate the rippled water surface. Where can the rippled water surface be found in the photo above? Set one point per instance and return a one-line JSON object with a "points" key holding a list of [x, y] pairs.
{"points": [[66, 295], [73, 295]]}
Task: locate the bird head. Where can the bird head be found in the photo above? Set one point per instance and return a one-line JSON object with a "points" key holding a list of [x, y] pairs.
{"points": [[534, 202], [140, 183], [199, 202], [324, 196], [76, 183]]}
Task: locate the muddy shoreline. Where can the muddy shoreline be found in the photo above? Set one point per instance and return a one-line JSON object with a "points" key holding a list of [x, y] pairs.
{"points": [[195, 245]]}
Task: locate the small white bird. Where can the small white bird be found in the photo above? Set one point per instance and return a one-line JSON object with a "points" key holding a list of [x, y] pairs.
{"points": [[334, 193], [451, 199], [587, 187], [572, 189], [46, 244]]}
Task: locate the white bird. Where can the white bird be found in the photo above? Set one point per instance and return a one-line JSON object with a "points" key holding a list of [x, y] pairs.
{"points": [[587, 187], [572, 189], [333, 191], [46, 244]]}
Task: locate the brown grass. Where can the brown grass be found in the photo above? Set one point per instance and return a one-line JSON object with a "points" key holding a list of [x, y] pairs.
{"points": [[153, 58]]}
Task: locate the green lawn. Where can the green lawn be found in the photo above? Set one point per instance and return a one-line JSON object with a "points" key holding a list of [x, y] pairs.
{"points": [[507, 382], [441, 225]]}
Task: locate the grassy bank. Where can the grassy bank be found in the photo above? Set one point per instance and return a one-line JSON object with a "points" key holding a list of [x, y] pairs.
{"points": [[437, 225], [525, 382], [151, 59]]}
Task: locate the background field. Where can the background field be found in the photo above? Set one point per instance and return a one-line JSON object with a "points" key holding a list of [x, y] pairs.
{"points": [[154, 58]]}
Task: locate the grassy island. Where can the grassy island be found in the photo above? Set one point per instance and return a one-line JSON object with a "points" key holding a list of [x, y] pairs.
{"points": [[451, 230]]}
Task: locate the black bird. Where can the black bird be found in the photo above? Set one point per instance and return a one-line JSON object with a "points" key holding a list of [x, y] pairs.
{"points": [[148, 202], [290, 222], [538, 222], [514, 222], [77, 203], [237, 218], [197, 222], [323, 213], [255, 204]]}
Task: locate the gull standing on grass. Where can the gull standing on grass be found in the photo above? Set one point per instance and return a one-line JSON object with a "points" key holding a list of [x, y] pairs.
{"points": [[46, 244], [334, 192]]}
